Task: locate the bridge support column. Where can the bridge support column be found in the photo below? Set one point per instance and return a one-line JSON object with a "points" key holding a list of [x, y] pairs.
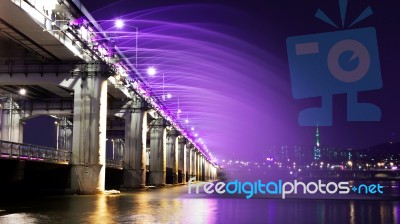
{"points": [[203, 176], [193, 163], [210, 171], [207, 169], [182, 158], [198, 166], [172, 154], [11, 125], [135, 149], [198, 162], [188, 162], [157, 166], [214, 173], [64, 135], [89, 139], [201, 168]]}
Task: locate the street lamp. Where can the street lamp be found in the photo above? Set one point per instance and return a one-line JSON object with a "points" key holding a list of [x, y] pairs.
{"points": [[165, 96], [120, 24], [350, 164], [22, 92], [187, 119], [151, 71], [58, 133], [168, 96]]}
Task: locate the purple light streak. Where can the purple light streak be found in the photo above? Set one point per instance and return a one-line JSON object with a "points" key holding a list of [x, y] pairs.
{"points": [[205, 69]]}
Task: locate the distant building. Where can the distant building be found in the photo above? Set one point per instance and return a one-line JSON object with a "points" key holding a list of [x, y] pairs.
{"points": [[287, 153], [317, 147]]}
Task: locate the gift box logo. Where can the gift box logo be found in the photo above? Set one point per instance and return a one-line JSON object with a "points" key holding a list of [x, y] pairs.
{"points": [[325, 64]]}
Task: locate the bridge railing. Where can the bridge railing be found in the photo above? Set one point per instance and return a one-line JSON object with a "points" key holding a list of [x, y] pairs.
{"points": [[13, 150], [116, 164]]}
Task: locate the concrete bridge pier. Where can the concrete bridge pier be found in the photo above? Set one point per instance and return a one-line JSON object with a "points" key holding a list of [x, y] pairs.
{"points": [[198, 162], [89, 146], [203, 176], [207, 170], [188, 161], [157, 166], [194, 163], [135, 147], [11, 123], [201, 162], [213, 173], [172, 153], [209, 165], [182, 161]]}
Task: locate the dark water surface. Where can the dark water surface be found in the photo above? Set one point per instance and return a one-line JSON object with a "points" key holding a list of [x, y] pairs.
{"points": [[174, 205]]}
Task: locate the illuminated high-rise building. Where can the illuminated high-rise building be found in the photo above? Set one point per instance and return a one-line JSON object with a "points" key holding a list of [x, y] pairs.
{"points": [[317, 148]]}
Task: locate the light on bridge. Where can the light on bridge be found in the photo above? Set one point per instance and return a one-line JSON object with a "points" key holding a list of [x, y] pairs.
{"points": [[119, 23], [151, 71], [22, 91]]}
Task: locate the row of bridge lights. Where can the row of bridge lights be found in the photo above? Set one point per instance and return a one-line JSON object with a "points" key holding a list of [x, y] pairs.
{"points": [[152, 71]]}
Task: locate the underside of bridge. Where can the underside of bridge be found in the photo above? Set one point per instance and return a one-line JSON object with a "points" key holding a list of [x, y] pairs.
{"points": [[47, 68]]}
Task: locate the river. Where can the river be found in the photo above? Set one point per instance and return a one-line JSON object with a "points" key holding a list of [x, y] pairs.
{"points": [[175, 205]]}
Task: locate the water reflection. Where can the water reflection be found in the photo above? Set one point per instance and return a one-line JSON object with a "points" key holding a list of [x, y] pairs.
{"points": [[352, 213], [396, 214], [162, 207], [173, 205], [104, 209]]}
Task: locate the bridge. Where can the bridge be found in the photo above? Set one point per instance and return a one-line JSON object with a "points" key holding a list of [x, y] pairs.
{"points": [[55, 60]]}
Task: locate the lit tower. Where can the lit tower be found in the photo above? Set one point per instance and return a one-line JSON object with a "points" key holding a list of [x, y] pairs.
{"points": [[317, 149]]}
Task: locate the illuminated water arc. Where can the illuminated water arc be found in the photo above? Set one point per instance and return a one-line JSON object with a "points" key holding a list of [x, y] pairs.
{"points": [[207, 70]]}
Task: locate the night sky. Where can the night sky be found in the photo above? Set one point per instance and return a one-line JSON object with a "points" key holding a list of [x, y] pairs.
{"points": [[227, 63]]}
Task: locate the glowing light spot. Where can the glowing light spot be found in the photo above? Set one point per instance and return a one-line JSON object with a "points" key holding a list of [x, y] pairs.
{"points": [[22, 91], [119, 23], [151, 71]]}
